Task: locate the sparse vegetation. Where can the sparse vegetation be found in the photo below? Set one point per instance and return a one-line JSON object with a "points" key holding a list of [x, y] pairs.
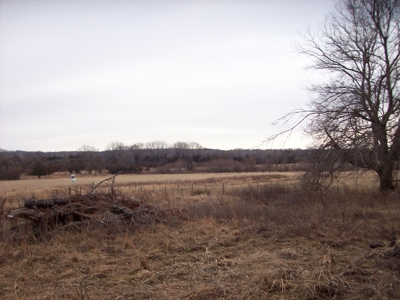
{"points": [[276, 240]]}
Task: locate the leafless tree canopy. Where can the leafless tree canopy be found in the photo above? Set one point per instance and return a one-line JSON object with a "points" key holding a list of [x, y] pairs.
{"points": [[185, 145], [354, 114], [87, 148], [115, 146]]}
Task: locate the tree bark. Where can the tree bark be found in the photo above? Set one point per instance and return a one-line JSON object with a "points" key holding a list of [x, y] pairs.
{"points": [[386, 179], [33, 203]]}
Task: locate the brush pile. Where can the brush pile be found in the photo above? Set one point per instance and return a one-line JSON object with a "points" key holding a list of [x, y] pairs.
{"points": [[76, 210]]}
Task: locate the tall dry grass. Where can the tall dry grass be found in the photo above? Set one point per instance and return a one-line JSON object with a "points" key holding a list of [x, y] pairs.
{"points": [[265, 241]]}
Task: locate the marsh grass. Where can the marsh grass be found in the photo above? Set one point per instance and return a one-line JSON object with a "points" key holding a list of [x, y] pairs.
{"points": [[271, 241]]}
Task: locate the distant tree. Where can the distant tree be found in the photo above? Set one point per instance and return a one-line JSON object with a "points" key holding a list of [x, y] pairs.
{"points": [[87, 148], [195, 146], [186, 151], [38, 169], [180, 149], [10, 167], [156, 145], [354, 116], [114, 146], [181, 145], [137, 146], [157, 150], [187, 145], [89, 158]]}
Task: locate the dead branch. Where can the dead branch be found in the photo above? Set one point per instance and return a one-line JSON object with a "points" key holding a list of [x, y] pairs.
{"points": [[24, 213], [111, 178], [48, 215]]}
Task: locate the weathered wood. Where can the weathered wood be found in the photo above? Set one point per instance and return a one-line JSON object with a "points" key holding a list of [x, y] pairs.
{"points": [[24, 213], [33, 203], [61, 201], [120, 210], [47, 215]]}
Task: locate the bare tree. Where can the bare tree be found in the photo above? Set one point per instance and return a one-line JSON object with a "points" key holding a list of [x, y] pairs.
{"points": [[180, 145], [156, 145], [115, 146], [185, 145], [87, 148], [157, 149], [195, 146], [137, 146], [354, 117], [90, 160]]}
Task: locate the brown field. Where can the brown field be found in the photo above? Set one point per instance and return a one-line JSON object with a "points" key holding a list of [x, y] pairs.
{"points": [[59, 184], [63, 180], [263, 238]]}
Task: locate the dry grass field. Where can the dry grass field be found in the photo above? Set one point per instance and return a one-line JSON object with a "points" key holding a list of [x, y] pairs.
{"points": [[58, 184], [63, 180], [274, 240]]}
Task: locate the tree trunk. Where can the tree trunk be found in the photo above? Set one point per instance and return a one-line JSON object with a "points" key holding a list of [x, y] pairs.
{"points": [[386, 179], [33, 203]]}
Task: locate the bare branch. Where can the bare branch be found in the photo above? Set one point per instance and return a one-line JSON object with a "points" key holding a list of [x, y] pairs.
{"points": [[108, 179], [355, 115]]}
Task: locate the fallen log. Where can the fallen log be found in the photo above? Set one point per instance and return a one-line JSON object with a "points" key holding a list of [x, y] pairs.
{"points": [[47, 215], [47, 203], [24, 213]]}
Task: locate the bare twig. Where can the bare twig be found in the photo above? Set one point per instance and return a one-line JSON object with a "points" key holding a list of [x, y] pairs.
{"points": [[111, 178]]}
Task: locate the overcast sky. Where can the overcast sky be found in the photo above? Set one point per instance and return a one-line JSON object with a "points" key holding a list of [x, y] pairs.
{"points": [[218, 73]]}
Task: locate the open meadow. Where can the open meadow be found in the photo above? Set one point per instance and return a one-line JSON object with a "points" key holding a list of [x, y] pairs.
{"points": [[60, 184], [237, 236]]}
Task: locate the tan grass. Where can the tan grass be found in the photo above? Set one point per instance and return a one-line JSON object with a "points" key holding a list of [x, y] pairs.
{"points": [[129, 179], [274, 242], [54, 186]]}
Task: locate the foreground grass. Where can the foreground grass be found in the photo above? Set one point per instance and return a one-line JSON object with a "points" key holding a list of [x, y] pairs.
{"points": [[274, 242]]}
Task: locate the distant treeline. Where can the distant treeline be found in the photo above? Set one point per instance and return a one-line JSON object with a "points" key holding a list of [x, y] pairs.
{"points": [[155, 160]]}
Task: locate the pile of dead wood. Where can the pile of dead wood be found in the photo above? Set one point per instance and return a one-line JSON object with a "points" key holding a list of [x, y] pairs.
{"points": [[76, 210]]}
